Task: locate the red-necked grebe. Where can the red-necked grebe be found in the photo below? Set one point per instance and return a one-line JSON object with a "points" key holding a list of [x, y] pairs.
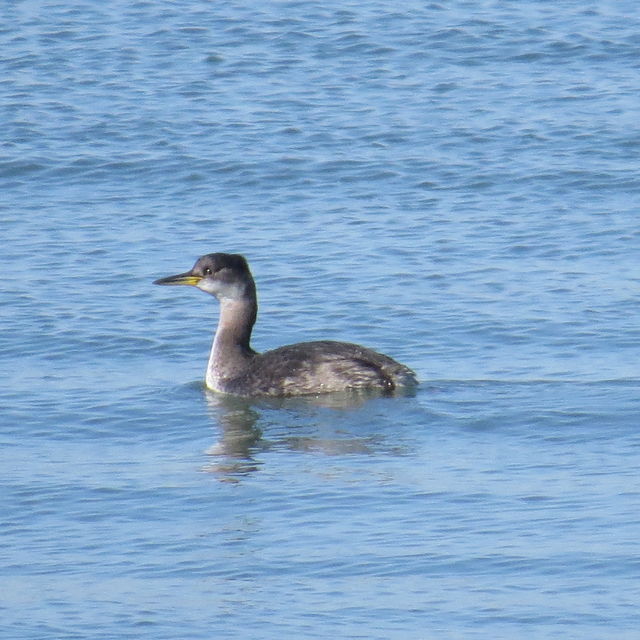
{"points": [[304, 368]]}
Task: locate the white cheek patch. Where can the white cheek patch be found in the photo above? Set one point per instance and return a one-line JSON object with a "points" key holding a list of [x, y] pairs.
{"points": [[222, 290]]}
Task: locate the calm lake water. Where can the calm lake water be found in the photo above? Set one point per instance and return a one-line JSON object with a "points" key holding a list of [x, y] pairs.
{"points": [[454, 184]]}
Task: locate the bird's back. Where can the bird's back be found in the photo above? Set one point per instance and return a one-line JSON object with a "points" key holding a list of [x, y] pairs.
{"points": [[320, 367]]}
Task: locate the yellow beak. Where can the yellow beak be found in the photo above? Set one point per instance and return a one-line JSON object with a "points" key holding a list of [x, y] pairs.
{"points": [[182, 278]]}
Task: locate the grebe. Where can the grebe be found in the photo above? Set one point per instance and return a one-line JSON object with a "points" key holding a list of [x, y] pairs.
{"points": [[304, 368]]}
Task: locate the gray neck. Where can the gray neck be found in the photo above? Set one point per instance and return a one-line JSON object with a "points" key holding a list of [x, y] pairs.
{"points": [[231, 352]]}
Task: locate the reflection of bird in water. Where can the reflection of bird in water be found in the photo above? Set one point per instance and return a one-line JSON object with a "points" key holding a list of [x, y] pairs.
{"points": [[237, 421], [298, 369], [304, 425]]}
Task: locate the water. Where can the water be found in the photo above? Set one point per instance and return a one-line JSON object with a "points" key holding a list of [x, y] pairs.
{"points": [[454, 184]]}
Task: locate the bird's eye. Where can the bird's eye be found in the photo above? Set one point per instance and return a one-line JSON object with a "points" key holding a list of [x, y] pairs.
{"points": [[207, 271]]}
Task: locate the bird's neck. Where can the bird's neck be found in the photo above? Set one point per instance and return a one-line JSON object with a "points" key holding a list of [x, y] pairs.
{"points": [[231, 352]]}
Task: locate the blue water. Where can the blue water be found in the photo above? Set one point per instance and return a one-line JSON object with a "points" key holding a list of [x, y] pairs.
{"points": [[454, 184]]}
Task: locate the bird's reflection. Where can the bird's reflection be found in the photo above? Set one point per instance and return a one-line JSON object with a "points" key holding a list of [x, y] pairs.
{"points": [[241, 439]]}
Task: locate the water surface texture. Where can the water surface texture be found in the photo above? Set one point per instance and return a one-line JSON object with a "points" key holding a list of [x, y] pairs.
{"points": [[455, 184]]}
